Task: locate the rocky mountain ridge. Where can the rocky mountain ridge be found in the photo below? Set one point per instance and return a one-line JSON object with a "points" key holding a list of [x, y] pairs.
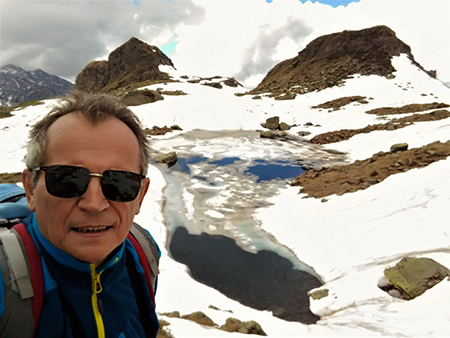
{"points": [[18, 85], [331, 59], [132, 64]]}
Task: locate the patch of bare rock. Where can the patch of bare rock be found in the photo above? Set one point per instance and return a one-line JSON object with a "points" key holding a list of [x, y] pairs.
{"points": [[394, 124], [341, 102], [362, 174], [217, 81], [410, 108], [155, 130], [231, 324]]}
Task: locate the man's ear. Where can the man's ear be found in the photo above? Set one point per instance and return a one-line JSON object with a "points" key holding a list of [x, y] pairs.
{"points": [[29, 190], [144, 188]]}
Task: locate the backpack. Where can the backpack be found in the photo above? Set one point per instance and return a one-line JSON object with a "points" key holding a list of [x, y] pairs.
{"points": [[21, 268]]}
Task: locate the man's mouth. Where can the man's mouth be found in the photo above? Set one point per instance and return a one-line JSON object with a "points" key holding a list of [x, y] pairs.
{"points": [[88, 230]]}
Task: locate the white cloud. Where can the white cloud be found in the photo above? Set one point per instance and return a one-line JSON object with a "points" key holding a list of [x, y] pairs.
{"points": [[61, 37]]}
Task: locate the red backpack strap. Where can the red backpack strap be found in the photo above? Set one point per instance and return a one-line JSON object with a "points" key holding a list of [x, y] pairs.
{"points": [[37, 275], [144, 262]]}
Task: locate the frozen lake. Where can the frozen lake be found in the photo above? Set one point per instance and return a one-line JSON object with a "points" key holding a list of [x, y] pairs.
{"points": [[220, 180]]}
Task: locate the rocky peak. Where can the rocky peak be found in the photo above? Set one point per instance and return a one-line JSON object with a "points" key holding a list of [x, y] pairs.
{"points": [[12, 69], [133, 62], [18, 85], [330, 59]]}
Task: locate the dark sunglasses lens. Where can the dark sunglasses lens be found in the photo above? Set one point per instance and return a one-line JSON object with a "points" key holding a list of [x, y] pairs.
{"points": [[67, 181], [120, 186]]}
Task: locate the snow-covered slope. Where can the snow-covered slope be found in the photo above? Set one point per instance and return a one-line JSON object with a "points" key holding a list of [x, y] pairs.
{"points": [[348, 240]]}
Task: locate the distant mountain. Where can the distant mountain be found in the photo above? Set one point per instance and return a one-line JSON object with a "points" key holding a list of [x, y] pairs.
{"points": [[18, 85], [132, 63], [331, 59]]}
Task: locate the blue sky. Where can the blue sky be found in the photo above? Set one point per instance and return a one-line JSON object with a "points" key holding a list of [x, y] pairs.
{"points": [[169, 47]]}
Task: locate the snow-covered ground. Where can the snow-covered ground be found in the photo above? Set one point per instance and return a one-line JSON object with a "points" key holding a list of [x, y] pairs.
{"points": [[349, 240]]}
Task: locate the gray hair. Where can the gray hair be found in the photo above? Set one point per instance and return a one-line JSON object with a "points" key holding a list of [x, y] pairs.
{"points": [[95, 109]]}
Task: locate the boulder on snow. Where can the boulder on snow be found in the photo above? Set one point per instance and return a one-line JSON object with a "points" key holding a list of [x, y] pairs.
{"points": [[274, 134], [267, 134], [284, 126], [272, 123], [170, 158], [286, 96], [249, 327], [174, 314], [213, 84], [412, 276], [138, 97], [318, 294], [399, 147], [155, 130], [200, 318]]}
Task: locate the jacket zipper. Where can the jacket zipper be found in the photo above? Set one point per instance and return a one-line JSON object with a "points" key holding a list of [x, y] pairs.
{"points": [[96, 289]]}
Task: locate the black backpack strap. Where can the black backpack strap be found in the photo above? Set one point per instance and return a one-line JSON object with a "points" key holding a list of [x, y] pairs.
{"points": [[149, 247]]}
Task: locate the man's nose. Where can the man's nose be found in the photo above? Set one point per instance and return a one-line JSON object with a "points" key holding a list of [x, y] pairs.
{"points": [[93, 199]]}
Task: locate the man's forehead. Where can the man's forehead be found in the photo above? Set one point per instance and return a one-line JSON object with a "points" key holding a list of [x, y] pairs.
{"points": [[74, 122]]}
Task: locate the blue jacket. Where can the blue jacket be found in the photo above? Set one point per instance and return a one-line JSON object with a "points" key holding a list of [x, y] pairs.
{"points": [[81, 301]]}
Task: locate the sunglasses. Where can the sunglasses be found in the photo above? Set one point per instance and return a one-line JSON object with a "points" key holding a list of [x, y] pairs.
{"points": [[68, 181]]}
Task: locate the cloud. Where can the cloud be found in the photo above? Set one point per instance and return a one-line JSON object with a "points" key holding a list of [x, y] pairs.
{"points": [[61, 37], [244, 39], [259, 56], [240, 41]]}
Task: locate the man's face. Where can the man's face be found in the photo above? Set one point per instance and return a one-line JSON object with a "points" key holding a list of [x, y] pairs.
{"points": [[72, 140]]}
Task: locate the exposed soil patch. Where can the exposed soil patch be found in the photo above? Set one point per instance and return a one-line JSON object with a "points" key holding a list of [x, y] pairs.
{"points": [[10, 177], [363, 174], [341, 102], [394, 124], [410, 108]]}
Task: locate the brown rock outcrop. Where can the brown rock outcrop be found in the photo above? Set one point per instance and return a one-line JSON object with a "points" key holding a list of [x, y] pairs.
{"points": [[200, 318], [330, 59], [249, 327], [362, 174], [133, 62]]}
